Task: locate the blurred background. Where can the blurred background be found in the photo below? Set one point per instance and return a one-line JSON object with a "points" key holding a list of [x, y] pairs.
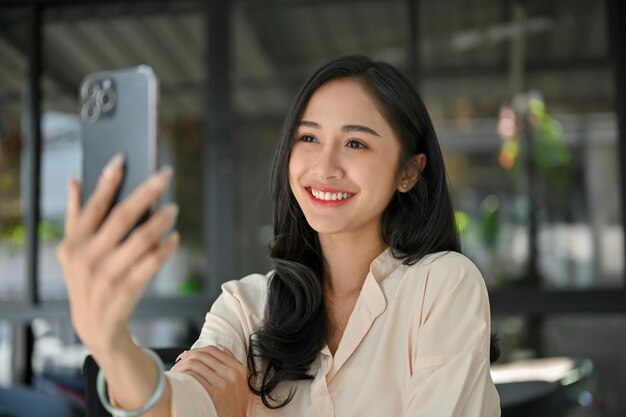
{"points": [[528, 99]]}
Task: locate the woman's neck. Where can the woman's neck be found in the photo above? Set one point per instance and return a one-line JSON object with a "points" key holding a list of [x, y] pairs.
{"points": [[347, 261]]}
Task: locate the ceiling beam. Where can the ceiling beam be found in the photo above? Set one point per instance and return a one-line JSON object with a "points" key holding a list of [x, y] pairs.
{"points": [[21, 44]]}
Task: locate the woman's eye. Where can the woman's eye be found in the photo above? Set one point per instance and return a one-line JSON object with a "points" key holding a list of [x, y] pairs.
{"points": [[355, 144], [307, 138]]}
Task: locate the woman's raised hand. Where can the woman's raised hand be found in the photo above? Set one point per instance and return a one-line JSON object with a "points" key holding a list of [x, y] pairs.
{"points": [[104, 275], [221, 375]]}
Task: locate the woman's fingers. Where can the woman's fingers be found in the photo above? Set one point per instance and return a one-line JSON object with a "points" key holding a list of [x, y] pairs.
{"points": [[203, 366], [213, 372], [139, 242], [223, 362], [126, 214], [221, 375], [73, 206], [140, 274], [71, 215], [221, 353], [100, 201], [130, 288], [201, 379], [108, 295]]}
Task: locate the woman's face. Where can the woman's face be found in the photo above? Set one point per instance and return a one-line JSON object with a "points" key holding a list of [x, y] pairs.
{"points": [[344, 161]]}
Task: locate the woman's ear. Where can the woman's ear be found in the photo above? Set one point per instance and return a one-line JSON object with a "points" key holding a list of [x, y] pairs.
{"points": [[412, 172]]}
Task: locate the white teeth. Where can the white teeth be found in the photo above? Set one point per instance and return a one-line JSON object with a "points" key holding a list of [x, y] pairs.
{"points": [[327, 196]]}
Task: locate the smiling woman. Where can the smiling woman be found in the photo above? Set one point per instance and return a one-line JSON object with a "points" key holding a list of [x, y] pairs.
{"points": [[371, 309], [334, 153], [358, 127]]}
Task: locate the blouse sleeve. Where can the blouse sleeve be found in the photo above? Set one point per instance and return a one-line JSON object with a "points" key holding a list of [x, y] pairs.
{"points": [[450, 352], [233, 316]]}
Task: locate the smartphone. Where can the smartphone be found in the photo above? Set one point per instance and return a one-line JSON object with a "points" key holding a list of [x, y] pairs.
{"points": [[118, 112]]}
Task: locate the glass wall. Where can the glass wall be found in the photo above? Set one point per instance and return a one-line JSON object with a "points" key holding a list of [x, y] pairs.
{"points": [[521, 94], [522, 98]]}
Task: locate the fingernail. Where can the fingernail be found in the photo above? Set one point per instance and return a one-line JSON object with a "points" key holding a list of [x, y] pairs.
{"points": [[222, 348], [172, 208], [166, 172], [180, 356], [115, 163], [159, 181]]}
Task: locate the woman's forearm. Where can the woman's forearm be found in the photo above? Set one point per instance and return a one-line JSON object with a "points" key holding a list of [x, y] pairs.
{"points": [[132, 377], [106, 275]]}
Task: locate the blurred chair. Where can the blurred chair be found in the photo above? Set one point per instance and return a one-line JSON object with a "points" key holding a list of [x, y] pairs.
{"points": [[545, 387], [24, 401], [90, 371]]}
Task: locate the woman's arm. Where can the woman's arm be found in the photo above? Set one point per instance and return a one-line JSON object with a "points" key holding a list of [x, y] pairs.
{"points": [[450, 374], [221, 375], [106, 274], [132, 377], [236, 313]]}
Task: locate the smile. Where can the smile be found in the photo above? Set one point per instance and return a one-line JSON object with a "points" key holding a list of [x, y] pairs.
{"points": [[327, 197]]}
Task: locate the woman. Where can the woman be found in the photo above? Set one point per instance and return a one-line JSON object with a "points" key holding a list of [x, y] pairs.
{"points": [[371, 309]]}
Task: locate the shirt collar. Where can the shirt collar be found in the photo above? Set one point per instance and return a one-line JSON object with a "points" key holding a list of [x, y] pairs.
{"points": [[384, 264], [370, 304]]}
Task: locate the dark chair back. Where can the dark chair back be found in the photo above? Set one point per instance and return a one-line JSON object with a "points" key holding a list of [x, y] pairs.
{"points": [[25, 401]]}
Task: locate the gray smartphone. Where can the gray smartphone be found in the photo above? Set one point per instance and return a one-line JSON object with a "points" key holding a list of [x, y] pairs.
{"points": [[118, 112]]}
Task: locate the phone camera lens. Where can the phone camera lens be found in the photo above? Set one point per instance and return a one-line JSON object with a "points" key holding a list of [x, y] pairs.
{"points": [[90, 111], [89, 89], [106, 99]]}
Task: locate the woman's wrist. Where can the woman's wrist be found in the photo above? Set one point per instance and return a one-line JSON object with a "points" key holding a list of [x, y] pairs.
{"points": [[120, 346], [148, 405], [131, 377]]}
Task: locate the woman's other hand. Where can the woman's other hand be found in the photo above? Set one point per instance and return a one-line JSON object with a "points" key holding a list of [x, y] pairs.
{"points": [[221, 374], [104, 275]]}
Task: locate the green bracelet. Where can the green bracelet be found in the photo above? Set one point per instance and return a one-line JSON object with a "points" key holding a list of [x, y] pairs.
{"points": [[152, 401]]}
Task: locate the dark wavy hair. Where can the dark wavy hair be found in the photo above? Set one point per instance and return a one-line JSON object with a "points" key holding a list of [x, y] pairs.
{"points": [[414, 224]]}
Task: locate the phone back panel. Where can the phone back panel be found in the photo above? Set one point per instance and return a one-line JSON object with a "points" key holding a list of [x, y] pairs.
{"points": [[118, 114]]}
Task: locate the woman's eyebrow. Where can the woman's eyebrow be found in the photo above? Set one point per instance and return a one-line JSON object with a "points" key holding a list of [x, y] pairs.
{"points": [[308, 123], [345, 128], [360, 128]]}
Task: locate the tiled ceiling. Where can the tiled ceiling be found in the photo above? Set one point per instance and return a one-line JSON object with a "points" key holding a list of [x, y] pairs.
{"points": [[276, 44]]}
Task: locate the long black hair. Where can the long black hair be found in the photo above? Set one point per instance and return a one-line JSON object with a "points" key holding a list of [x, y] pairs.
{"points": [[414, 224]]}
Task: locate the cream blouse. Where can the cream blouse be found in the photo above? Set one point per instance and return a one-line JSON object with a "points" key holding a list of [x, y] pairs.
{"points": [[416, 344]]}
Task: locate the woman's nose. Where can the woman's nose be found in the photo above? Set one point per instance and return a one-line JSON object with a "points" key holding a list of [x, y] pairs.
{"points": [[328, 165]]}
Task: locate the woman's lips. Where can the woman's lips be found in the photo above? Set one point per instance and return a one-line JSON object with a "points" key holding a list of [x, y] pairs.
{"points": [[327, 197]]}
